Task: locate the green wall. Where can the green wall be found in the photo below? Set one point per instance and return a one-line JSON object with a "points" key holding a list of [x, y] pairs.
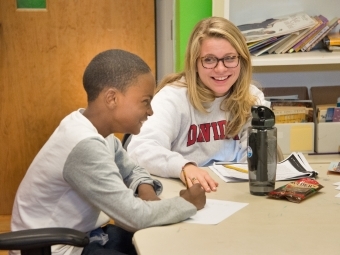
{"points": [[188, 13]]}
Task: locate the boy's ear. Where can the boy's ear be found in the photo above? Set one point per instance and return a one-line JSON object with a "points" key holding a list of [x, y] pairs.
{"points": [[111, 97]]}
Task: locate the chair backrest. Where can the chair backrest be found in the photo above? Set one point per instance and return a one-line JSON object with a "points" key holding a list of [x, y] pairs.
{"points": [[39, 241], [321, 95], [126, 140], [301, 92]]}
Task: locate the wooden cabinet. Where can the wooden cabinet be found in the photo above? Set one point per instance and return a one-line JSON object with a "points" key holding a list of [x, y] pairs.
{"points": [[43, 55]]}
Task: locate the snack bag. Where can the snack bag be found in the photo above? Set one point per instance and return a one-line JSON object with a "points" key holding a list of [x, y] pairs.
{"points": [[296, 191]]}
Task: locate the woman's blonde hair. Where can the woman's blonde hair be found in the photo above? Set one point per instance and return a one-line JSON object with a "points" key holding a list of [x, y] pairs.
{"points": [[239, 100]]}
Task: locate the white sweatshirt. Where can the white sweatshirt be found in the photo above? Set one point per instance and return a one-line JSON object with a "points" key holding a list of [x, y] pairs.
{"points": [[177, 133]]}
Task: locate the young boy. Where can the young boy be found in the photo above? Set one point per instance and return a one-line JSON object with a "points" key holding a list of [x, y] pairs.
{"points": [[82, 176]]}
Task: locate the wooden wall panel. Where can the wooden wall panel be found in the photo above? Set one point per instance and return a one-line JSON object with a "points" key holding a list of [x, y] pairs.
{"points": [[26, 95], [42, 58]]}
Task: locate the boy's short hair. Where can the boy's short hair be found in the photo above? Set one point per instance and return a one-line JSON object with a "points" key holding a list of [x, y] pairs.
{"points": [[112, 68]]}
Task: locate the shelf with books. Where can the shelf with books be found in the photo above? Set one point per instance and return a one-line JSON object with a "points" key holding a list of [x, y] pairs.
{"points": [[247, 12], [314, 57]]}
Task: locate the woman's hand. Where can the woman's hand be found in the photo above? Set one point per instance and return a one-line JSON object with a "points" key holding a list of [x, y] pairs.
{"points": [[195, 174]]}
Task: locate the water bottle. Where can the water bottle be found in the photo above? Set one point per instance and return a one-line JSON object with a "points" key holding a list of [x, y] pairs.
{"points": [[262, 151]]}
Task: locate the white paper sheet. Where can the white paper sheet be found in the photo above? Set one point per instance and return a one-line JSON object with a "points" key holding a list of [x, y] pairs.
{"points": [[295, 166], [215, 211]]}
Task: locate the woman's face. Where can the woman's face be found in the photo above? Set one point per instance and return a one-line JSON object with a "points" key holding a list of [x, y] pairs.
{"points": [[220, 78]]}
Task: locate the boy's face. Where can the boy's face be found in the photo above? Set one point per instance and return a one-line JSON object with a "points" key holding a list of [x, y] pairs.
{"points": [[134, 105]]}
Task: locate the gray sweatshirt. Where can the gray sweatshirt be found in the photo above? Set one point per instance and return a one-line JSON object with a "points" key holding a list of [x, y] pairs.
{"points": [[80, 179]]}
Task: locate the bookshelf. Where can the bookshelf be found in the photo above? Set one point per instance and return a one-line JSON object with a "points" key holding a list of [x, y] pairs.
{"points": [[249, 11], [315, 57]]}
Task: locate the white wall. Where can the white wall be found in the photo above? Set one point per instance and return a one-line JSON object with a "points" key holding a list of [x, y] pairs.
{"points": [[304, 75], [165, 54]]}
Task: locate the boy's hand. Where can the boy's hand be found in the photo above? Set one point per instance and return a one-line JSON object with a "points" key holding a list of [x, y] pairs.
{"points": [[195, 195], [147, 193]]}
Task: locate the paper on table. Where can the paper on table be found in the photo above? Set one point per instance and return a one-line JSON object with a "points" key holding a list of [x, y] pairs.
{"points": [[224, 177], [215, 211], [229, 175], [294, 166], [334, 166], [337, 188]]}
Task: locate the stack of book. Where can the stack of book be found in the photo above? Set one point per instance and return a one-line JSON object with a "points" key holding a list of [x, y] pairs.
{"points": [[328, 113], [332, 41], [292, 111], [287, 34]]}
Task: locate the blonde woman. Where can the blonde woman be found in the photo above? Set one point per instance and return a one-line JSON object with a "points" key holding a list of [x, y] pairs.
{"points": [[201, 115]]}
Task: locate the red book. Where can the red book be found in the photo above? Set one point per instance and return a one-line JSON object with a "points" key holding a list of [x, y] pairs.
{"points": [[336, 114]]}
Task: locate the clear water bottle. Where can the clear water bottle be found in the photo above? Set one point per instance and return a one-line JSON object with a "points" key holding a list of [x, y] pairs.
{"points": [[262, 151]]}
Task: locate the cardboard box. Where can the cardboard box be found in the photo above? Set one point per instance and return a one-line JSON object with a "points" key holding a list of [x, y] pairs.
{"points": [[293, 137], [300, 92], [327, 134]]}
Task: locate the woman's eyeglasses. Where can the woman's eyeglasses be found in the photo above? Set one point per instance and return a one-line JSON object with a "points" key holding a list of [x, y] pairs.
{"points": [[210, 62]]}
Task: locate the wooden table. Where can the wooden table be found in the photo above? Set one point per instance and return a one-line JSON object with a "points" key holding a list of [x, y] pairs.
{"points": [[264, 226]]}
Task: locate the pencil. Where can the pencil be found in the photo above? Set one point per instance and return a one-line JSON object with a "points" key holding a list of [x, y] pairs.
{"points": [[236, 168], [185, 178]]}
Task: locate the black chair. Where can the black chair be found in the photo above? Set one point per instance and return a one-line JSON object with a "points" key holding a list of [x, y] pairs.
{"points": [[39, 241], [126, 140]]}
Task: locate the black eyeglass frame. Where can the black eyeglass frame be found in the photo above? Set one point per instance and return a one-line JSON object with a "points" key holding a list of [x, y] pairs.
{"points": [[220, 59]]}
